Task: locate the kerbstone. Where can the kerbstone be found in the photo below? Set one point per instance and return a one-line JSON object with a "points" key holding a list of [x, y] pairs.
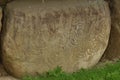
{"points": [[38, 37]]}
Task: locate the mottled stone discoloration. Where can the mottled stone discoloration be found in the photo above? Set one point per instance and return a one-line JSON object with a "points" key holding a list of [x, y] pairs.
{"points": [[38, 37]]}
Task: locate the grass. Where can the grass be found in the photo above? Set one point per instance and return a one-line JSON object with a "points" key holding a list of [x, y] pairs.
{"points": [[107, 72]]}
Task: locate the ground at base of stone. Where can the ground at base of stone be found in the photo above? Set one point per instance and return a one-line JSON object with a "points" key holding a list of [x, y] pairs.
{"points": [[7, 78]]}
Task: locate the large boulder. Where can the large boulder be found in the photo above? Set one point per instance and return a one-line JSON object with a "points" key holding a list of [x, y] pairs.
{"points": [[113, 50], [38, 37]]}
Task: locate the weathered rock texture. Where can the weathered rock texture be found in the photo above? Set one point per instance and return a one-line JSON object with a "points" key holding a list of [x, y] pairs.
{"points": [[113, 50], [39, 36]]}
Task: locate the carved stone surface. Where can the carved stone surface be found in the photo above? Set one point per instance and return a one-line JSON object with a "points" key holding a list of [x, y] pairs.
{"points": [[38, 37]]}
